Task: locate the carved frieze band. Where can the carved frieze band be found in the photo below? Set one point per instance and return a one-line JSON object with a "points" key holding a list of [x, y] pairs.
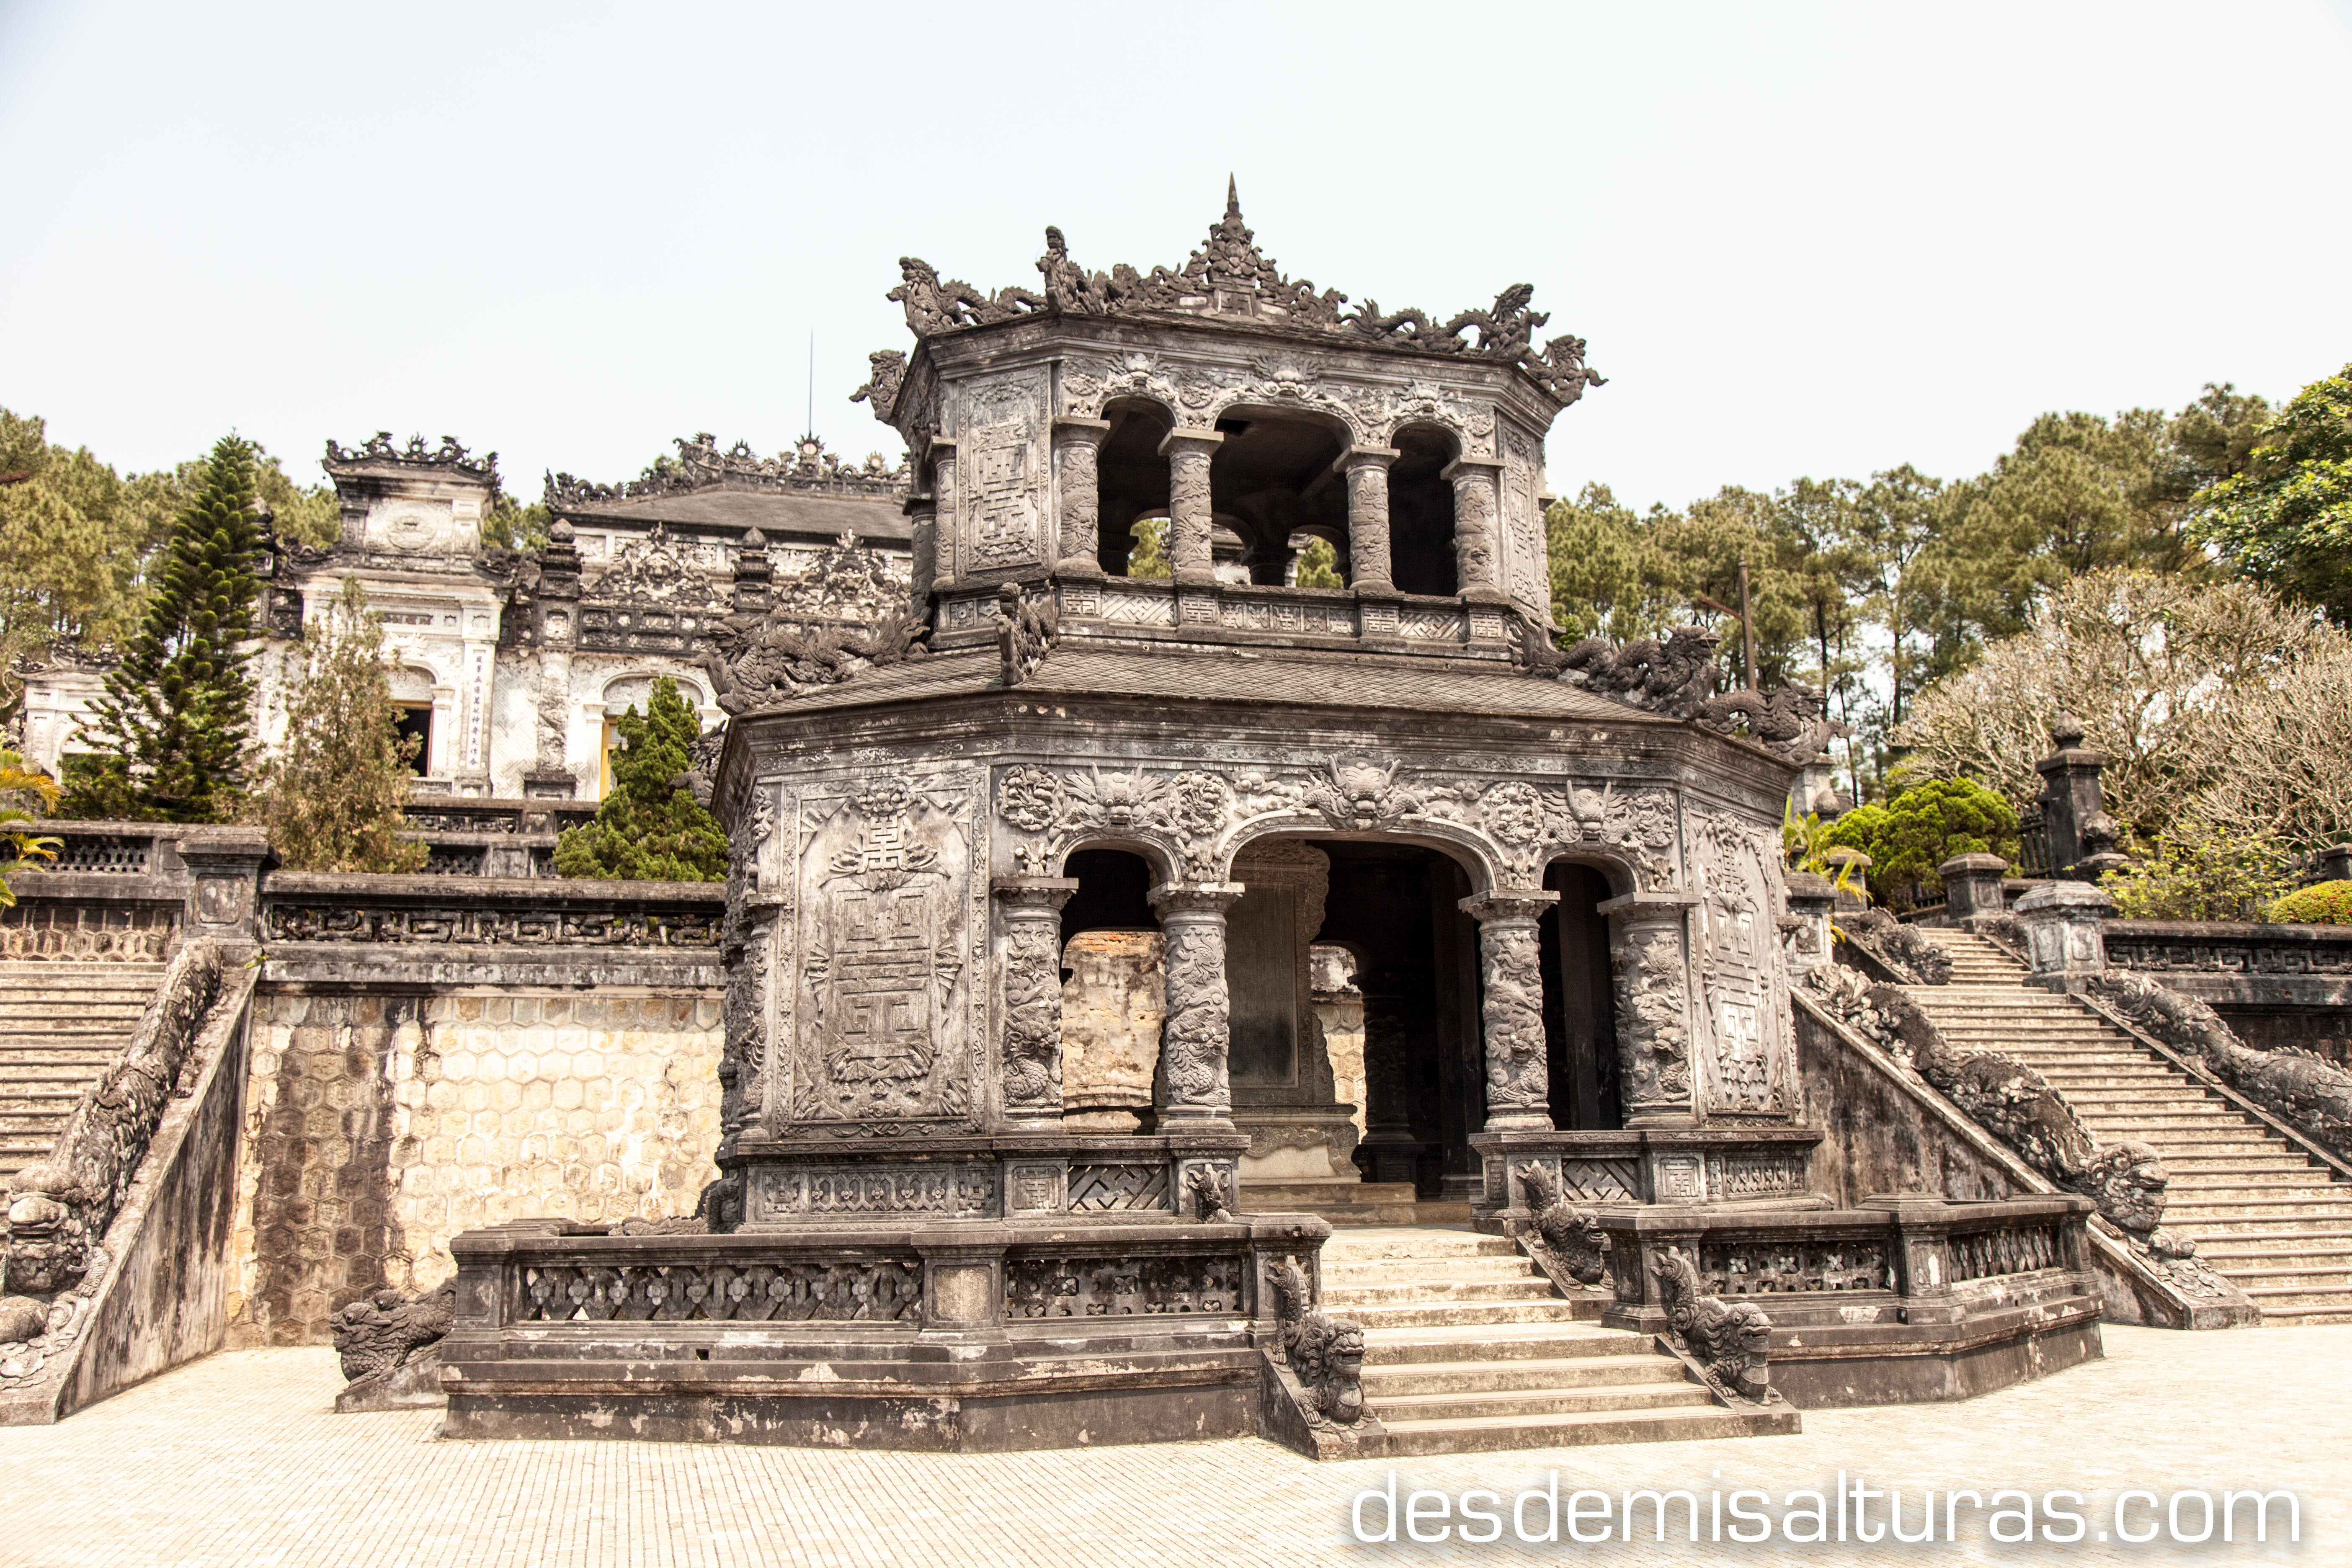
{"points": [[1197, 814]]}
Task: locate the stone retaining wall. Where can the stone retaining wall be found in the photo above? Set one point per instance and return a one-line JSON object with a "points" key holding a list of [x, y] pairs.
{"points": [[381, 1121]]}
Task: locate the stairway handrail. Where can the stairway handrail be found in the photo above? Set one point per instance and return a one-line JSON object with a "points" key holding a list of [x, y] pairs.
{"points": [[2208, 1077]]}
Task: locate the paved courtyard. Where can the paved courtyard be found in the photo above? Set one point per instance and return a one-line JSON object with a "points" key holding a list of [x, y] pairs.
{"points": [[238, 1461]]}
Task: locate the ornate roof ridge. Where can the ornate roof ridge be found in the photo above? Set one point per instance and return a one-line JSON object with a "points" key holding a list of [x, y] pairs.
{"points": [[379, 448], [1228, 276], [808, 468]]}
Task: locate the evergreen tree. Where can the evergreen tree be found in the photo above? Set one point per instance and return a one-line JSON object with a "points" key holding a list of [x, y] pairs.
{"points": [[171, 732], [650, 828], [2285, 517], [332, 798]]}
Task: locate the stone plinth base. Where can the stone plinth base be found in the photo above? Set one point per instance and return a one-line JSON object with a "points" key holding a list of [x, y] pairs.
{"points": [[1906, 1300], [987, 1335], [1720, 1167]]}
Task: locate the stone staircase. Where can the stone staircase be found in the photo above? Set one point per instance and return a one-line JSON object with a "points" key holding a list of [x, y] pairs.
{"points": [[1469, 1350], [2269, 1218], [1348, 1204], [62, 1026]]}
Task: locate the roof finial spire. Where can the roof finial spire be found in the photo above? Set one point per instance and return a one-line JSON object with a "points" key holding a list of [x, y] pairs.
{"points": [[1232, 199]]}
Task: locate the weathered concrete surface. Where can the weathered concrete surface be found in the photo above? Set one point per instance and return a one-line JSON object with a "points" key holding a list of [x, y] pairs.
{"points": [[383, 1121], [1112, 1005]]}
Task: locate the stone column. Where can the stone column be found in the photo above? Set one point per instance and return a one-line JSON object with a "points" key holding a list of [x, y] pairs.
{"points": [[1195, 1086], [2079, 832], [2064, 946], [923, 540], [1477, 507], [1366, 469], [1187, 453], [1646, 934], [942, 461], [1078, 443], [1029, 1047], [1518, 1088]]}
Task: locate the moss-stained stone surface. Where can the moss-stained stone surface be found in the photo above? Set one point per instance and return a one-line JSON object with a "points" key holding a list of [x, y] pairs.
{"points": [[378, 1126]]}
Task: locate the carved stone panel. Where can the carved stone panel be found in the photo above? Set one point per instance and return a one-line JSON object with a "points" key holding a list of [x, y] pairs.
{"points": [[1005, 460], [1747, 1063], [884, 1028], [1526, 576]]}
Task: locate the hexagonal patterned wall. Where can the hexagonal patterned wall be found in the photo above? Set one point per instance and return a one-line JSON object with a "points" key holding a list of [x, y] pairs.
{"points": [[377, 1127]]}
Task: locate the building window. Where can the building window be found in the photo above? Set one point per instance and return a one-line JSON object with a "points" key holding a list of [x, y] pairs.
{"points": [[417, 718]]}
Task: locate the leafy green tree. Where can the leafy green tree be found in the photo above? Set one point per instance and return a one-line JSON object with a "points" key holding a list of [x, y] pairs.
{"points": [[73, 537], [514, 526], [1609, 578], [1149, 558], [1927, 824], [1319, 565], [332, 797], [650, 828], [171, 731], [2285, 517]]}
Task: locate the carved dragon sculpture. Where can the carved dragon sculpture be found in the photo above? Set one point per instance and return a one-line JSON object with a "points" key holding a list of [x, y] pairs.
{"points": [[1730, 1341], [376, 1335], [1325, 1353], [1570, 1234]]}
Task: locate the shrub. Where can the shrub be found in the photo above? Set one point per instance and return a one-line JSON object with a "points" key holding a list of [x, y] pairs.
{"points": [[1924, 826], [2202, 871], [2321, 904]]}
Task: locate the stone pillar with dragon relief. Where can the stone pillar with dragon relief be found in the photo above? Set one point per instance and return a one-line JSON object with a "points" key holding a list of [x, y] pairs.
{"points": [[1078, 443], [1029, 1039], [1195, 1086], [1189, 515], [1366, 470], [1652, 975], [1518, 1090], [1477, 508]]}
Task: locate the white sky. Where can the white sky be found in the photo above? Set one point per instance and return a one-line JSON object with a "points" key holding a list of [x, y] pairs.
{"points": [[1801, 239]]}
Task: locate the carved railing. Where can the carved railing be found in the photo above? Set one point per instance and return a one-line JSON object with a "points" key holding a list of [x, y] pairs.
{"points": [[2221, 949], [1903, 1253], [318, 907], [432, 816], [1119, 603], [116, 893]]}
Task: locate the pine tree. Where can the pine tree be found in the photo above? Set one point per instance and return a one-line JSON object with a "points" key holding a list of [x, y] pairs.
{"points": [[171, 732], [332, 798], [650, 828]]}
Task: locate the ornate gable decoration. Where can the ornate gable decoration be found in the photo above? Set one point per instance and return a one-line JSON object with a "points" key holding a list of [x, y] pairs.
{"points": [[1229, 276], [649, 571], [847, 582], [379, 449], [807, 469]]}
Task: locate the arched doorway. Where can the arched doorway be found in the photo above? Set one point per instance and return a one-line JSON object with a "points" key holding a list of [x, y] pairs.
{"points": [[1579, 1002]]}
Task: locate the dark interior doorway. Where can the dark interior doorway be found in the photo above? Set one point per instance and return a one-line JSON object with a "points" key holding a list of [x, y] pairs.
{"points": [[1580, 1009], [1113, 894], [1397, 905]]}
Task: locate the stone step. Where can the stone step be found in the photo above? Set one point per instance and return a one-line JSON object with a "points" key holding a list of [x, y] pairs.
{"points": [[1415, 1241], [1493, 1343], [1434, 1290], [1522, 1402], [1496, 1376], [2313, 1313], [2326, 1274], [1495, 1433], [1458, 1268], [1477, 1314]]}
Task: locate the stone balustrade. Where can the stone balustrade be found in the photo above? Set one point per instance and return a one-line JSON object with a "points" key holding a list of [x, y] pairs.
{"points": [[1906, 1297]]}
